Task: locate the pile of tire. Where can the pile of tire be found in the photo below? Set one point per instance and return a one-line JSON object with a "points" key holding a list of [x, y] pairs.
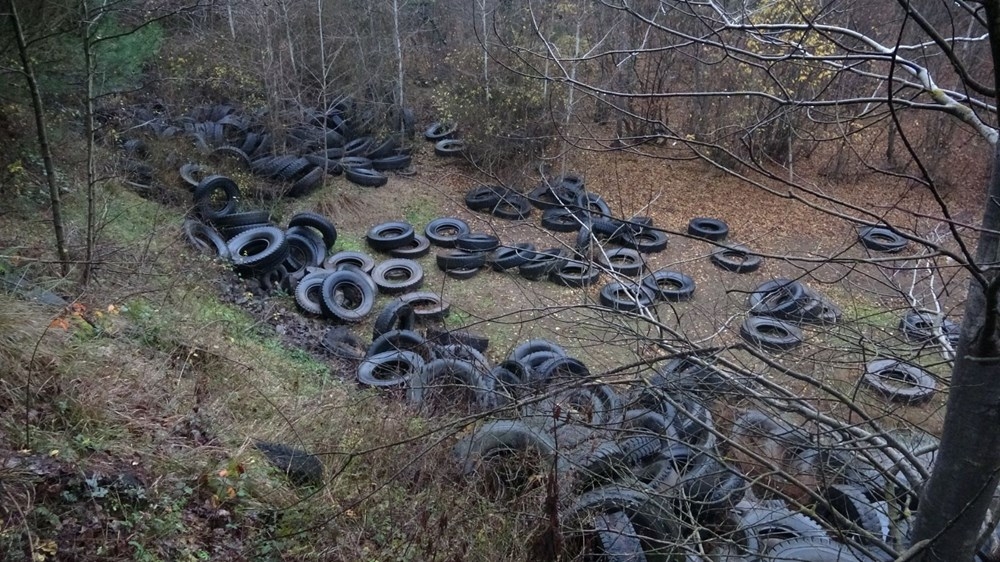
{"points": [[777, 306], [927, 326], [444, 135], [643, 474]]}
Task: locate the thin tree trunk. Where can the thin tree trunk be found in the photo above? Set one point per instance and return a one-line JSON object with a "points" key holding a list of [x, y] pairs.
{"points": [[88, 60], [399, 63], [43, 139]]}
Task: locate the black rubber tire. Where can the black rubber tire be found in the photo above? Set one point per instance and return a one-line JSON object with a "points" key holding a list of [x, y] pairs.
{"points": [[389, 369], [440, 130], [509, 257], [653, 521], [736, 258], [561, 368], [851, 503], [191, 175], [484, 197], [449, 147], [452, 376], [624, 261], [920, 327], [427, 305], [390, 163], [307, 184], [773, 520], [308, 293], [898, 381], [382, 149], [648, 241], [512, 206], [477, 242], [305, 249], [407, 340], [708, 229], [625, 297], [817, 549], [390, 235], [231, 152], [459, 259], [575, 274], [258, 250], [549, 197], [397, 315], [205, 239], [349, 162], [541, 263], [559, 219], [500, 437], [592, 204], [358, 146], [386, 279], [613, 231], [683, 374], [881, 239], [462, 273], [476, 341], [342, 309], [667, 285], [205, 192], [528, 347], [366, 177], [361, 260], [317, 221], [615, 539], [780, 298], [770, 333], [298, 168], [341, 342], [247, 218], [443, 232], [418, 248]]}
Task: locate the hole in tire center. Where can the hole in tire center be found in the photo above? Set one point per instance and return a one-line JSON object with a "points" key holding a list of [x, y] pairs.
{"points": [[880, 237], [772, 330], [348, 296], [387, 232], [398, 274], [736, 255], [255, 247], [669, 284], [898, 375]]}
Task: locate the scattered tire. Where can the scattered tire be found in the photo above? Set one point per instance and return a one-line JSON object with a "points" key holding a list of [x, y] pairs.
{"points": [[624, 261], [561, 220], [512, 206], [708, 229], [510, 257], [389, 369], [648, 241], [770, 333], [361, 260], [390, 163], [575, 274], [484, 198], [366, 177], [216, 196], [541, 263], [459, 259], [440, 130], [445, 382], [317, 221], [898, 381], [205, 239], [668, 285], [398, 276], [736, 258], [881, 239], [258, 250], [427, 305], [443, 232], [418, 248], [191, 175], [397, 315], [308, 293], [346, 296], [477, 242], [923, 326], [449, 147], [341, 342], [625, 297], [390, 235], [301, 468]]}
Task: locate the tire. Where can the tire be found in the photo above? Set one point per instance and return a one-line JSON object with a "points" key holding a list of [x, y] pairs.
{"points": [[561, 220], [512, 207], [449, 147], [672, 286], [418, 248], [501, 437], [593, 204], [900, 382], [575, 274], [736, 258], [615, 539], [308, 293], [816, 549], [440, 131], [397, 275], [384, 149], [648, 241], [341, 342], [307, 183], [653, 522], [881, 239], [389, 369], [509, 257], [708, 229], [353, 285], [477, 242], [358, 146], [248, 218], [348, 162], [205, 239], [484, 198], [305, 249], [850, 503], [258, 250], [295, 170], [780, 298], [301, 468], [191, 175], [453, 376], [541, 264], [562, 368], [427, 305], [462, 273], [613, 231], [625, 297], [397, 315], [206, 192], [407, 340], [361, 260], [317, 221], [921, 327], [394, 162], [459, 259], [389, 236], [682, 374], [774, 521], [478, 342], [231, 152], [366, 177], [770, 333], [624, 261], [443, 232]]}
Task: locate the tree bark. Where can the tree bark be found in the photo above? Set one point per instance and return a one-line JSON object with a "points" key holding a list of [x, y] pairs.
{"points": [[43, 139], [88, 114]]}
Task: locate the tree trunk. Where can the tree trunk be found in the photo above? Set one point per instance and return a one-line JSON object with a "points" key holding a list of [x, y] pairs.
{"points": [[88, 114], [43, 139]]}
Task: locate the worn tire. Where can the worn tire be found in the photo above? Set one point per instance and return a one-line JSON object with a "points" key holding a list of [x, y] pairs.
{"points": [[672, 286], [398, 275], [389, 236], [708, 229], [357, 300], [736, 258], [770, 333], [443, 232], [898, 381]]}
